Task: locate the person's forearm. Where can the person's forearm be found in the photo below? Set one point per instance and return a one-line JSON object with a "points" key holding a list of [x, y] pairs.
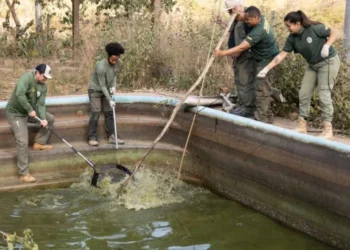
{"points": [[332, 38], [41, 107], [42, 112], [234, 50], [106, 93], [115, 82], [277, 60], [22, 99]]}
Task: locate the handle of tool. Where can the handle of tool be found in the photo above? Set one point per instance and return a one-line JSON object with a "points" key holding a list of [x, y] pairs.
{"points": [[76, 151]]}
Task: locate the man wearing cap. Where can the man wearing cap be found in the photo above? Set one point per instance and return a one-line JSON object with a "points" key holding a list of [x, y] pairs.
{"points": [[243, 63], [27, 102], [261, 40]]}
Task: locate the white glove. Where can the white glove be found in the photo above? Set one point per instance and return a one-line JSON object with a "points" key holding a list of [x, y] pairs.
{"points": [[112, 103], [263, 72], [112, 90], [325, 51]]}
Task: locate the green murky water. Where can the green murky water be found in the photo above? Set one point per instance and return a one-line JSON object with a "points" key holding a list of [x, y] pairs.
{"points": [[147, 216]]}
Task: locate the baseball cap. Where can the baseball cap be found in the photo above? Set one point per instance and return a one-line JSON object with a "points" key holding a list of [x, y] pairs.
{"points": [[230, 4], [44, 69]]}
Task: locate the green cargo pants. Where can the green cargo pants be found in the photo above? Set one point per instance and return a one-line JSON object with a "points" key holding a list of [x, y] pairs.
{"points": [[244, 73], [19, 126], [263, 112], [322, 76], [97, 100]]}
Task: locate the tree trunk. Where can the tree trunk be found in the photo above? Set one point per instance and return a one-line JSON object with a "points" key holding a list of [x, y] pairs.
{"points": [[273, 20], [156, 4], [14, 16], [48, 27], [76, 35], [38, 16], [346, 44]]}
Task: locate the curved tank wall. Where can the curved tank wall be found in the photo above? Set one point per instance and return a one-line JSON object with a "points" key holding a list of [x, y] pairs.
{"points": [[300, 180]]}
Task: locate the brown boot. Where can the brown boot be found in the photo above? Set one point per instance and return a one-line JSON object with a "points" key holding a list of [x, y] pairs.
{"points": [[27, 178], [38, 146], [327, 132], [302, 125]]}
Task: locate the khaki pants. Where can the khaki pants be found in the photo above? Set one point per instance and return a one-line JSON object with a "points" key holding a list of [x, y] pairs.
{"points": [[244, 71], [19, 126], [322, 76]]}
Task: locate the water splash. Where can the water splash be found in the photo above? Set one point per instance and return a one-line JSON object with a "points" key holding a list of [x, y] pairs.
{"points": [[149, 188]]}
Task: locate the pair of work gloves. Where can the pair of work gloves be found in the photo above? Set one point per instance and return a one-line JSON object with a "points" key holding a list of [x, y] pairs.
{"points": [[324, 54]]}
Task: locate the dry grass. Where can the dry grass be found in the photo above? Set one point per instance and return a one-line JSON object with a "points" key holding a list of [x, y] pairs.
{"points": [[170, 55]]}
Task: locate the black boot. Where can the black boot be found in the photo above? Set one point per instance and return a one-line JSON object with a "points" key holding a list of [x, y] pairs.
{"points": [[243, 111]]}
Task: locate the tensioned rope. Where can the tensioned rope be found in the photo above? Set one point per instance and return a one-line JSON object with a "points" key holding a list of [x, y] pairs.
{"points": [[178, 106], [198, 102]]}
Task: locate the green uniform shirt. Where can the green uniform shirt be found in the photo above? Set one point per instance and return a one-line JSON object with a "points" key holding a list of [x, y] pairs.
{"points": [[263, 42], [104, 77], [27, 95], [309, 43], [240, 33]]}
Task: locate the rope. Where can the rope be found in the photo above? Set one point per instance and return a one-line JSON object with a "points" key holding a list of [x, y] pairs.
{"points": [[197, 111], [178, 106]]}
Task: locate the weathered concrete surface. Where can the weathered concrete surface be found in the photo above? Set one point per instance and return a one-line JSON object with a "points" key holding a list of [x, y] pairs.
{"points": [[297, 179]]}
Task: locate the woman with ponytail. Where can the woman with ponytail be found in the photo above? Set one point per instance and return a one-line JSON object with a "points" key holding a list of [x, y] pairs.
{"points": [[313, 40]]}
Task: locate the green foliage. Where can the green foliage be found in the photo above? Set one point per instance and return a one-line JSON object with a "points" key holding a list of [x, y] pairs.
{"points": [[341, 97], [28, 45], [34, 45], [128, 7], [27, 241], [288, 79], [137, 60]]}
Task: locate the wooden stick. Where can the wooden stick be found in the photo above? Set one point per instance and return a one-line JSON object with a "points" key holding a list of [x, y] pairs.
{"points": [[178, 105]]}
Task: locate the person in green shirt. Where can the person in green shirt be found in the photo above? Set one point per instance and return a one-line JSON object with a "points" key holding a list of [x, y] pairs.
{"points": [[313, 40], [26, 103], [101, 89], [261, 41], [243, 64]]}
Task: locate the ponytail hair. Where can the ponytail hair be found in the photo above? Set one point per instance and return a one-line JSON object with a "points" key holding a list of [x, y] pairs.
{"points": [[299, 16]]}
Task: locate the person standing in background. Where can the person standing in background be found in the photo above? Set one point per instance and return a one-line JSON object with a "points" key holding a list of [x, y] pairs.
{"points": [[313, 40], [101, 89], [261, 40], [243, 63]]}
